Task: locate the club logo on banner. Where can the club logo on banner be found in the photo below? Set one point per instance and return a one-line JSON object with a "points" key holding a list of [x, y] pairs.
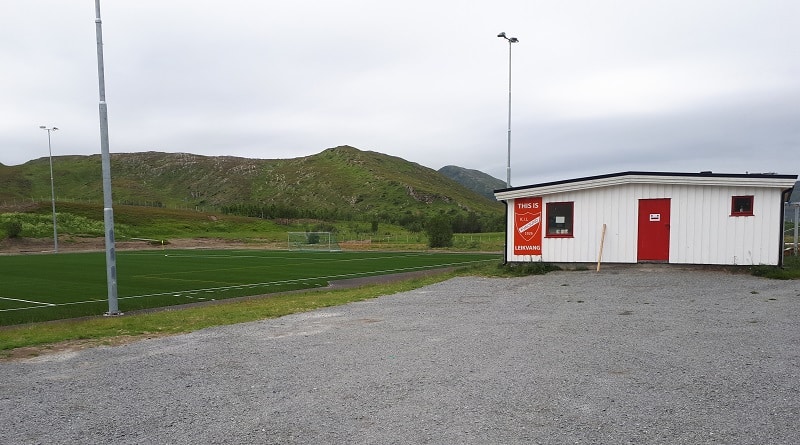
{"points": [[528, 226]]}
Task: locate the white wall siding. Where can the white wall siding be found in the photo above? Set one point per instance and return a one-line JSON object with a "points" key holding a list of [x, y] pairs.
{"points": [[593, 208], [702, 231]]}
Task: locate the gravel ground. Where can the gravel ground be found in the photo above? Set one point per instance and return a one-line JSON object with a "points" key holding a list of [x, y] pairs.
{"points": [[640, 354]]}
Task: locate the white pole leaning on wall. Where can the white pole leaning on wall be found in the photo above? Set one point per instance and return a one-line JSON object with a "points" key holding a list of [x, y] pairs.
{"points": [[796, 223], [602, 241]]}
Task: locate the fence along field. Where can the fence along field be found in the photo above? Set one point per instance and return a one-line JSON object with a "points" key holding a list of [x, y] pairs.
{"points": [[49, 287]]}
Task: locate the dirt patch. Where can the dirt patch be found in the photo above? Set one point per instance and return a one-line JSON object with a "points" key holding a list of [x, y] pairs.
{"points": [[30, 352]]}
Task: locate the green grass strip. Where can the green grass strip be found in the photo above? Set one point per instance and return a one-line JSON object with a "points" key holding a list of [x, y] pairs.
{"points": [[789, 271]]}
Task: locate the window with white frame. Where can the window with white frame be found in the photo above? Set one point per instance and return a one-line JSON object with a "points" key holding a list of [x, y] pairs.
{"points": [[742, 205]]}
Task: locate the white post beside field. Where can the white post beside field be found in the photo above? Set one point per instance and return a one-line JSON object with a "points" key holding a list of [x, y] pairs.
{"points": [[796, 223]]}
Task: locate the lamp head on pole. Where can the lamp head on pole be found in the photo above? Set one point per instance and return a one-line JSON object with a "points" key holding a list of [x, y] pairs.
{"points": [[44, 127], [510, 39]]}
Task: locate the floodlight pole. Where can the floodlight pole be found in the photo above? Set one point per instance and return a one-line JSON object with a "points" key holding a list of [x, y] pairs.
{"points": [[52, 186], [108, 211], [508, 165]]}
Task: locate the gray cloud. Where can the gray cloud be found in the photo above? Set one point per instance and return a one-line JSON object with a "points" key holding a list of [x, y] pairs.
{"points": [[598, 87]]}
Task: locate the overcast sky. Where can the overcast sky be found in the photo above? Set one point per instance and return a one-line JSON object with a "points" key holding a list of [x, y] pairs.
{"points": [[597, 86]]}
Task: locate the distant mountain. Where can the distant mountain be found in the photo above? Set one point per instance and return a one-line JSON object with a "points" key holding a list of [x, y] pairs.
{"points": [[474, 180], [794, 198], [338, 183]]}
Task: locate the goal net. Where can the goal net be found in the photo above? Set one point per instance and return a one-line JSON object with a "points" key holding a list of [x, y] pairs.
{"points": [[317, 241]]}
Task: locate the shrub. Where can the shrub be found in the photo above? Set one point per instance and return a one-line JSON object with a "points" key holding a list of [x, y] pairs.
{"points": [[440, 232], [40, 225], [324, 227], [524, 269], [13, 229], [789, 271]]}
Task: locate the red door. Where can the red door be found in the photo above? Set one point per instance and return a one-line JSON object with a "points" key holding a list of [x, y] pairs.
{"points": [[653, 243]]}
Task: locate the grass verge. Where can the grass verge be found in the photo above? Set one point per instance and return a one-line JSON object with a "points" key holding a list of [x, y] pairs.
{"points": [[789, 271]]}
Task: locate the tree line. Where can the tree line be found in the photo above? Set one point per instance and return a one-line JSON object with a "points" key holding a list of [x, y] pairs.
{"points": [[460, 221]]}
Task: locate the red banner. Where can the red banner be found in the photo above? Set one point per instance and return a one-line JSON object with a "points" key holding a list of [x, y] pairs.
{"points": [[528, 226]]}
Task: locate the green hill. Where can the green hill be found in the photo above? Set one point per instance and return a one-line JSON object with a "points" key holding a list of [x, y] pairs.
{"points": [[341, 183], [477, 181]]}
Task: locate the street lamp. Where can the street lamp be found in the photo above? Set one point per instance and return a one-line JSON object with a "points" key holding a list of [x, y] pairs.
{"points": [[508, 166], [52, 186], [105, 161]]}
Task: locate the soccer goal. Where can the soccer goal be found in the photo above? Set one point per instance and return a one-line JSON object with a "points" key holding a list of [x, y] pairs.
{"points": [[317, 241]]}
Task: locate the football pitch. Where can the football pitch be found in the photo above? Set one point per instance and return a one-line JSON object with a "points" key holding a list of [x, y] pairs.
{"points": [[49, 287]]}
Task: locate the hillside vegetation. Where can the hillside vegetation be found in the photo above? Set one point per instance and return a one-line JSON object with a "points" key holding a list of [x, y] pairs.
{"points": [[475, 180], [81, 227], [338, 184]]}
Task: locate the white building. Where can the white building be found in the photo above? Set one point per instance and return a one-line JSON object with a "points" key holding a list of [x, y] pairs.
{"points": [[681, 218]]}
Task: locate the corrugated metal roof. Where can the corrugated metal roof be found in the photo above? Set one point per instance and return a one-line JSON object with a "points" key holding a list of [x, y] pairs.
{"points": [[639, 177]]}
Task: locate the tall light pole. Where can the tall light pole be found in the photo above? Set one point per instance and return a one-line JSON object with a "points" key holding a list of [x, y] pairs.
{"points": [[508, 166], [105, 158], [52, 186]]}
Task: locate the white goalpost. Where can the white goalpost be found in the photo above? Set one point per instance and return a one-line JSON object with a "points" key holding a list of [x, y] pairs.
{"points": [[313, 241]]}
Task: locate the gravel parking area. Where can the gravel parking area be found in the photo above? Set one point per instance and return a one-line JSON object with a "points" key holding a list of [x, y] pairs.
{"points": [[639, 354]]}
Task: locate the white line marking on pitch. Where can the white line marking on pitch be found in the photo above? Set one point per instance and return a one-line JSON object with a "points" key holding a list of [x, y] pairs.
{"points": [[27, 301]]}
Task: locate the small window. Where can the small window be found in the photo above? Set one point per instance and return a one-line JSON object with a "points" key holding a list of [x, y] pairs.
{"points": [[742, 206], [559, 219]]}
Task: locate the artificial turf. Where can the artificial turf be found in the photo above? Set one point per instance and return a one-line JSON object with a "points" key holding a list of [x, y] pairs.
{"points": [[56, 286]]}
